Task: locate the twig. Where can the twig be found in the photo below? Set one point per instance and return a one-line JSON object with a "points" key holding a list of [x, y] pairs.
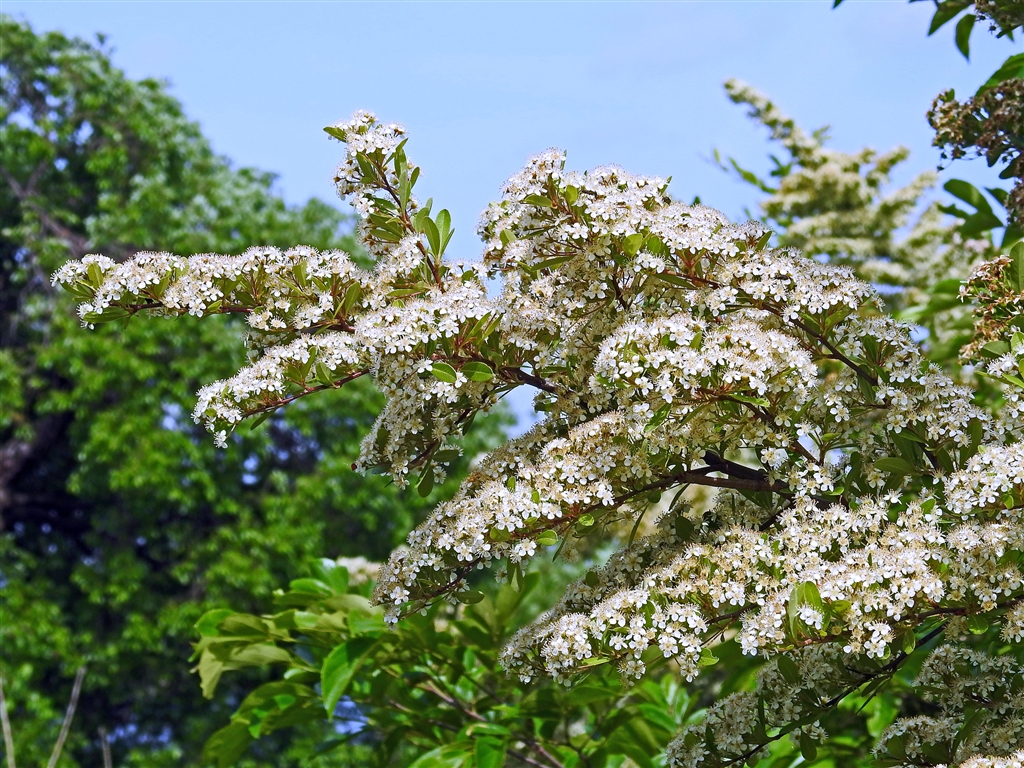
{"points": [[69, 715], [105, 746], [8, 736]]}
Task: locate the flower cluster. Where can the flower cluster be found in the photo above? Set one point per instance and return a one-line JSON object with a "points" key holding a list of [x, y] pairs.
{"points": [[860, 500]]}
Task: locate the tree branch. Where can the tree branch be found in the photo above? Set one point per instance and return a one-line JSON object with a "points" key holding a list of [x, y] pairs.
{"points": [[6, 723], [69, 715]]}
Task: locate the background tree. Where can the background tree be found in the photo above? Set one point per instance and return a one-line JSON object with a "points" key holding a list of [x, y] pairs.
{"points": [[121, 524]]}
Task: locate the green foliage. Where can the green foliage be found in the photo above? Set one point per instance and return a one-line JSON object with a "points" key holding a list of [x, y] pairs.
{"points": [[429, 693], [121, 523]]}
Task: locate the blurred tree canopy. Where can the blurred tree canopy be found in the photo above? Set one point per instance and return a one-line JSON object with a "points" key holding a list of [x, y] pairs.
{"points": [[121, 523]]}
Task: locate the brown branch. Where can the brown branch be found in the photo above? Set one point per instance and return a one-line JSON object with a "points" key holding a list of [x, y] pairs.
{"points": [[533, 381]]}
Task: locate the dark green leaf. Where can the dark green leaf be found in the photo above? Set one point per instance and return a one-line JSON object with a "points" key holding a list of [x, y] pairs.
{"points": [[963, 34], [227, 745], [968, 193], [426, 482], [1015, 269], [946, 12], [808, 749], [894, 466], [433, 236], [1012, 69], [788, 669]]}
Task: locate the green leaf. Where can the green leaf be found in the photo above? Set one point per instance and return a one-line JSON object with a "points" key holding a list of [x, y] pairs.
{"points": [[426, 482], [471, 597], [443, 221], [209, 621], [944, 13], [515, 577], [909, 641], [1015, 269], [331, 574], [808, 749], [444, 372], [489, 753], [310, 587], [538, 200], [995, 349], [444, 227], [659, 418], [557, 261], [894, 466], [707, 658], [788, 669], [337, 133], [259, 420], [950, 286], [476, 371], [631, 244], [227, 745], [964, 27], [671, 279], [978, 625], [339, 667], [968, 193], [1012, 69], [547, 538], [433, 236]]}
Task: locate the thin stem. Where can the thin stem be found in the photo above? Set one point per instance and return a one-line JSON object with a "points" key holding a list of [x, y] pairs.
{"points": [[836, 354], [8, 736], [69, 715], [105, 746]]}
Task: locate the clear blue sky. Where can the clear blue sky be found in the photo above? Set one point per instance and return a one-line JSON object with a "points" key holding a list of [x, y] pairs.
{"points": [[483, 85]]}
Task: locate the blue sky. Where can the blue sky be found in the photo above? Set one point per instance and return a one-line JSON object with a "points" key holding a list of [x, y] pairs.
{"points": [[481, 86]]}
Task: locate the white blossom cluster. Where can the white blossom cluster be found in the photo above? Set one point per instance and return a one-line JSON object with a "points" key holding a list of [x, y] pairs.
{"points": [[862, 496], [360, 570]]}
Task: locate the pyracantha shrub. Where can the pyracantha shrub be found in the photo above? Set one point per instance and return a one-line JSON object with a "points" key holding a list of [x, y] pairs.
{"points": [[865, 507]]}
